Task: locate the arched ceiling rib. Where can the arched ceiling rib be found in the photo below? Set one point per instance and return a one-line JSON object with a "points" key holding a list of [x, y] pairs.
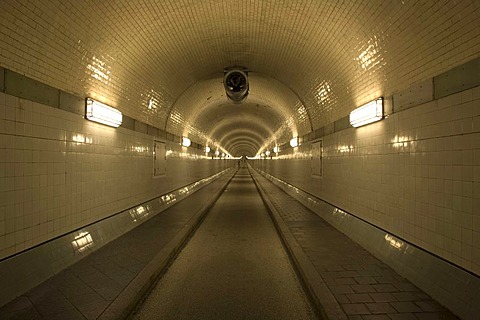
{"points": [[243, 150], [161, 62], [270, 103], [243, 139], [239, 133], [255, 127]]}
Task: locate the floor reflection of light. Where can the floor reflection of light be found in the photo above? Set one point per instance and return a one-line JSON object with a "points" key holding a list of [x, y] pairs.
{"points": [[397, 244], [82, 241], [169, 198], [139, 213], [337, 211]]}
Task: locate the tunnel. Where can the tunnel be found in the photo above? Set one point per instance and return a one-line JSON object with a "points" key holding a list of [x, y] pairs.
{"points": [[287, 159]]}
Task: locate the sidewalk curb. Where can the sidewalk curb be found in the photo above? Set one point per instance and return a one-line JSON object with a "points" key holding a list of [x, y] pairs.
{"points": [[122, 306], [325, 303]]}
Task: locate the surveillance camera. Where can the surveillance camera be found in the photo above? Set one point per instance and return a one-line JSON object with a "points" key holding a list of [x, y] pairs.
{"points": [[235, 82]]}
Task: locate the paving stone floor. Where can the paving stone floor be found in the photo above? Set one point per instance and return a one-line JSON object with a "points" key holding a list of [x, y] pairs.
{"points": [[87, 288], [363, 286]]}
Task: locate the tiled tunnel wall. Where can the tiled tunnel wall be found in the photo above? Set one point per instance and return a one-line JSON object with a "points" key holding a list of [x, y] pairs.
{"points": [[60, 172], [416, 174], [406, 188]]}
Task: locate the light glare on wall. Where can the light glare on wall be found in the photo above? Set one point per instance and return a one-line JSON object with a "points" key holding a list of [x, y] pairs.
{"points": [[276, 149], [186, 142], [101, 113], [207, 149], [368, 113], [294, 142]]}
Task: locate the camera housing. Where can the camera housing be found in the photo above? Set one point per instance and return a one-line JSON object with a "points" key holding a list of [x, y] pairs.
{"points": [[235, 81]]}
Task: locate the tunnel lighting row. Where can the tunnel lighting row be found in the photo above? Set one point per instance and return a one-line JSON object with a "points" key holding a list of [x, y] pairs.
{"points": [[186, 142], [269, 153], [99, 112], [102, 113], [217, 152], [368, 113]]}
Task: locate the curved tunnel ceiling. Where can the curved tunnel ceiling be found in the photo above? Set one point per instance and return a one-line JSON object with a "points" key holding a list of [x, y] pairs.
{"points": [[161, 62], [204, 109]]}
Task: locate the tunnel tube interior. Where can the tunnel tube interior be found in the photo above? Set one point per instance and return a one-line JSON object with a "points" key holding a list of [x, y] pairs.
{"points": [[414, 174]]}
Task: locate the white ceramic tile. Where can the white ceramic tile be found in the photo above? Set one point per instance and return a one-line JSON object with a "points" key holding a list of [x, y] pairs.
{"points": [[41, 168], [443, 168], [308, 54]]}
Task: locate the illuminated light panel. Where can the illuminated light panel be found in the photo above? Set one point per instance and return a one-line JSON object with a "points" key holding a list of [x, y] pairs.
{"points": [[294, 142], [368, 113], [101, 113], [207, 149], [186, 142]]}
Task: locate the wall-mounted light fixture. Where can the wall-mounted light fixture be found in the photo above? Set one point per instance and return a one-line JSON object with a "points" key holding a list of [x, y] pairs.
{"points": [[217, 153], [186, 142], [267, 153], [368, 113], [207, 149], [294, 142], [101, 113], [276, 150]]}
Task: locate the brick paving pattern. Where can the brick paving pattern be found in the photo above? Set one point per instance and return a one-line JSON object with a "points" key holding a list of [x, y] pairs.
{"points": [[363, 286], [85, 289]]}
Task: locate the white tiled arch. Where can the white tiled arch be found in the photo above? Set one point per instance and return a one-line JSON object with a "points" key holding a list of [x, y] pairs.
{"points": [[334, 55]]}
